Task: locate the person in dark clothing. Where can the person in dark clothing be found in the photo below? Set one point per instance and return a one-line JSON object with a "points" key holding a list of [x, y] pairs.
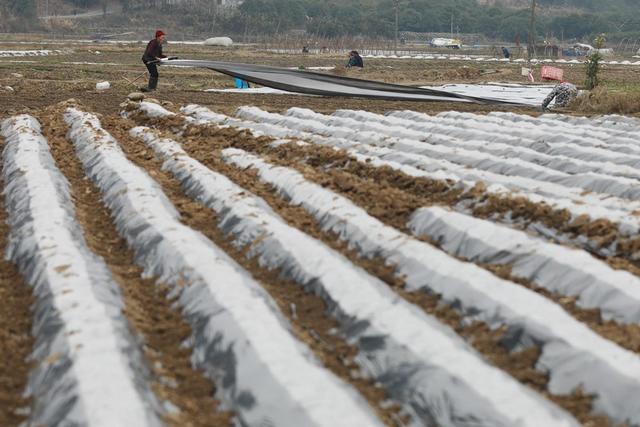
{"points": [[152, 55], [506, 53], [355, 60]]}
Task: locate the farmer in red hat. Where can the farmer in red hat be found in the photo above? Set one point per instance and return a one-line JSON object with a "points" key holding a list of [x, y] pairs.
{"points": [[153, 55]]}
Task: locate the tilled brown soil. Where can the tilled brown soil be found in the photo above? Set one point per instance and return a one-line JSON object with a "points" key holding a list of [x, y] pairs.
{"points": [[521, 365], [16, 341], [147, 307], [307, 313], [48, 80]]}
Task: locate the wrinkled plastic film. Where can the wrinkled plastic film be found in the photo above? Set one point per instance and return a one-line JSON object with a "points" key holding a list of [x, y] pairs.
{"points": [[595, 363], [89, 369], [239, 338], [560, 269], [423, 378], [313, 83]]}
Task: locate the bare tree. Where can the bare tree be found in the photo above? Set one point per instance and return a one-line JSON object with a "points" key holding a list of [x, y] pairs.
{"points": [[532, 30]]}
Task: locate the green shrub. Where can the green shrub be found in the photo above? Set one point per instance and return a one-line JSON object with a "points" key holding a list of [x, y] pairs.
{"points": [[593, 63]]}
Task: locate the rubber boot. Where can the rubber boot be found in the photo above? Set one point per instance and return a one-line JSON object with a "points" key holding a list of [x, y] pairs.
{"points": [[153, 83]]}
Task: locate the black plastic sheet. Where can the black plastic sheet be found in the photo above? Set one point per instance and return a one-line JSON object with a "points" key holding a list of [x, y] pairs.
{"points": [[312, 83]]}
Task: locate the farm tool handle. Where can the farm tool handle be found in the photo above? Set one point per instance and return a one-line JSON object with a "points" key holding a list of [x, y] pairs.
{"points": [[132, 82]]}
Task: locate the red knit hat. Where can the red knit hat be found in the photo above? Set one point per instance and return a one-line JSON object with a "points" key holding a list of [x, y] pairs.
{"points": [[159, 33]]}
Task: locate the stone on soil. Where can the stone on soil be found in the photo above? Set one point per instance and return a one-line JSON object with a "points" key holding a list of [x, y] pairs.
{"points": [[136, 96]]}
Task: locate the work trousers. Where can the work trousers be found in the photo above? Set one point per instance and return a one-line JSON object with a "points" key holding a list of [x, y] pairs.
{"points": [[153, 75]]}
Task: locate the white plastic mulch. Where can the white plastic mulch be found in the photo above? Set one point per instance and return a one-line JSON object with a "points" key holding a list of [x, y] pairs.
{"points": [[523, 94]]}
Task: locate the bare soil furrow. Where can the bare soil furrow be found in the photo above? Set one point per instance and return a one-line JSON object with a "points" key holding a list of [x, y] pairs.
{"points": [[147, 306], [16, 300], [521, 365], [306, 312]]}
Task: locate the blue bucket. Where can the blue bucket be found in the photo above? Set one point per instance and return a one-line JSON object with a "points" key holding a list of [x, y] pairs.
{"points": [[241, 84]]}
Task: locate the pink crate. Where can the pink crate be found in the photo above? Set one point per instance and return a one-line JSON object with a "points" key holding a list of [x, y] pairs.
{"points": [[551, 73]]}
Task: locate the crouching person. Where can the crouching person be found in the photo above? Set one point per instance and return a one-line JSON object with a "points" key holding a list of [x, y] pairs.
{"points": [[355, 60], [563, 93]]}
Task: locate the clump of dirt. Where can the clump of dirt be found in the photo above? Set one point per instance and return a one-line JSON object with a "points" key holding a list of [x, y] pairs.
{"points": [[629, 248], [518, 208], [172, 122], [604, 235]]}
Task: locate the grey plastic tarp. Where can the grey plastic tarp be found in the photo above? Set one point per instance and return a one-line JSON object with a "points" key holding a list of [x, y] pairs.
{"points": [[312, 83]]}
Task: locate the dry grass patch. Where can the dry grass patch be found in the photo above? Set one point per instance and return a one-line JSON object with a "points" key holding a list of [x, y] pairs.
{"points": [[602, 101]]}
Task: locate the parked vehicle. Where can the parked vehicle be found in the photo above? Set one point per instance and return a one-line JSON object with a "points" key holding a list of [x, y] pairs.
{"points": [[442, 42]]}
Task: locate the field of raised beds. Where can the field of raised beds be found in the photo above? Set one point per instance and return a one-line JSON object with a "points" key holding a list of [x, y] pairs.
{"points": [[178, 266]]}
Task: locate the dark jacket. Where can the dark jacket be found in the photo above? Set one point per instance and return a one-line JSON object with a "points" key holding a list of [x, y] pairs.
{"points": [[355, 61], [153, 51]]}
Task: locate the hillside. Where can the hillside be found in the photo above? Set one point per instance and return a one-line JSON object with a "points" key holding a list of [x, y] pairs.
{"points": [[505, 20]]}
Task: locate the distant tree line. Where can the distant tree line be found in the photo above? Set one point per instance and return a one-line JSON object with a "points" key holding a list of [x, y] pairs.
{"points": [[335, 18], [18, 8], [14, 13]]}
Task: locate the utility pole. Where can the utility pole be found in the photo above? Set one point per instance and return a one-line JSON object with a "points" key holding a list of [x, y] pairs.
{"points": [[451, 24], [532, 29], [395, 41]]}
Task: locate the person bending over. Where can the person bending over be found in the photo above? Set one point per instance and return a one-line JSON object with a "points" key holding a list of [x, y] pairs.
{"points": [[563, 93], [153, 55]]}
